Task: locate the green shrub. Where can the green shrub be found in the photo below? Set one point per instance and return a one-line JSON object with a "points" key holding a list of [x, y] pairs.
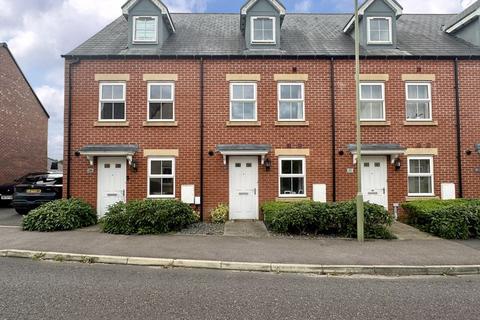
{"points": [[338, 219], [449, 219], [148, 217], [60, 215], [219, 214]]}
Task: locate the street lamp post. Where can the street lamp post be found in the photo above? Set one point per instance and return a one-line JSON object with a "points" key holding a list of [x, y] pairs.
{"points": [[360, 208]]}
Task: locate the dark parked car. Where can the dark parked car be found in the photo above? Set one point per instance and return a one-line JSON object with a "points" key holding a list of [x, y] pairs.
{"points": [[35, 190], [6, 193]]}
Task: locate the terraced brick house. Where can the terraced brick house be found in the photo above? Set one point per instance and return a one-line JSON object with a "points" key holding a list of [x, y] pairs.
{"points": [[260, 105], [23, 124]]}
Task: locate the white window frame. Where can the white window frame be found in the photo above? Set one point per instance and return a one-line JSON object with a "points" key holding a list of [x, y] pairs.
{"points": [[279, 100], [149, 100], [123, 100], [135, 40], [431, 175], [160, 176], [429, 84], [390, 40], [252, 31], [243, 100], [382, 84], [304, 176]]}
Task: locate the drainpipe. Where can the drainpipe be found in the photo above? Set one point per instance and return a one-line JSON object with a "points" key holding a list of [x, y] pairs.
{"points": [[458, 127], [202, 101], [69, 126], [334, 159]]}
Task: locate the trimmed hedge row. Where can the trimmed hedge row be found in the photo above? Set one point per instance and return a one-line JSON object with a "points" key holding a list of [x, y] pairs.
{"points": [[148, 217], [338, 219], [60, 215], [449, 219]]}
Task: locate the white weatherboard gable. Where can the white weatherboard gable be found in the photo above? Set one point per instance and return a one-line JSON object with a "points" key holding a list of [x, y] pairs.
{"points": [[127, 6], [275, 3], [361, 11]]}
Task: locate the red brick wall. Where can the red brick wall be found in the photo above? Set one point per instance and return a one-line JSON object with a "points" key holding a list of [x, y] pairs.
{"points": [[23, 124], [316, 137]]}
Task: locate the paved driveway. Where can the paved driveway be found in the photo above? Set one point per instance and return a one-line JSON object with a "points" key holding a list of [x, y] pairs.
{"points": [[8, 217]]}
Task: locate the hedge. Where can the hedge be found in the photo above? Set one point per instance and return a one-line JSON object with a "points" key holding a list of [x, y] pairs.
{"points": [[449, 219], [339, 219], [148, 217], [60, 215]]}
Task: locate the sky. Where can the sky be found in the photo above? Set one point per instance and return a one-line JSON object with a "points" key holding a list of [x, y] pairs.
{"points": [[39, 31]]}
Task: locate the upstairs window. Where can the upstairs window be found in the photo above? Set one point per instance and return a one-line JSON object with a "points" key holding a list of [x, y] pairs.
{"points": [[161, 102], [420, 176], [112, 102], [263, 29], [372, 102], [379, 30], [145, 29], [243, 102], [291, 102], [419, 102], [292, 177]]}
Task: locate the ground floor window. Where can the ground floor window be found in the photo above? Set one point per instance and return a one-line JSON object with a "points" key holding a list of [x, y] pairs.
{"points": [[292, 177], [420, 176], [161, 177]]}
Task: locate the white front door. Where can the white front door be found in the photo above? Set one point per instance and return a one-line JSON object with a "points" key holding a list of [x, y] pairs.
{"points": [[112, 178], [243, 188], [374, 180]]}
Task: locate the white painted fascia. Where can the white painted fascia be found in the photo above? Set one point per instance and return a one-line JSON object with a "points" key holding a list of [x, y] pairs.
{"points": [[464, 21], [361, 11], [275, 3], [126, 8]]}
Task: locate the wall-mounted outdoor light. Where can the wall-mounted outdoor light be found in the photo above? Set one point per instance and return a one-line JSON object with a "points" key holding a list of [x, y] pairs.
{"points": [[398, 164], [268, 164], [468, 152], [134, 165]]}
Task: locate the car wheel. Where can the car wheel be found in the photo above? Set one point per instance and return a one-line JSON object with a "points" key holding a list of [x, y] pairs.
{"points": [[22, 212]]}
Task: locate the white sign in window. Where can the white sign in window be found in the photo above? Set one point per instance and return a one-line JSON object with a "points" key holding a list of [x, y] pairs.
{"points": [[145, 29], [372, 101], [112, 102], [263, 29], [291, 102], [243, 101], [419, 101], [161, 177], [161, 102], [292, 179], [420, 176]]}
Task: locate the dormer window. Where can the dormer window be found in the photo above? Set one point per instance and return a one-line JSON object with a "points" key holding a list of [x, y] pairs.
{"points": [[379, 30], [263, 30], [145, 29]]}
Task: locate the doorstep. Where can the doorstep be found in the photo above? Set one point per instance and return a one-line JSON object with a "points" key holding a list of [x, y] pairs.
{"points": [[253, 229]]}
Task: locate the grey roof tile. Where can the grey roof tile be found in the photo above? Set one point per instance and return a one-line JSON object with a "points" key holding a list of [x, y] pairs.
{"points": [[301, 35], [128, 148], [377, 147], [244, 147]]}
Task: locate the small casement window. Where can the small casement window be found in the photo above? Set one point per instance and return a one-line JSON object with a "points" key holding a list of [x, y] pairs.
{"points": [[292, 177], [372, 101], [420, 176], [291, 102], [263, 29], [243, 101], [379, 30], [145, 29], [161, 177], [419, 101], [112, 102], [161, 102]]}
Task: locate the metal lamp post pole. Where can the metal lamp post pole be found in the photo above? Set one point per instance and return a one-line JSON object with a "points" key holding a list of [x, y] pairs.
{"points": [[360, 208]]}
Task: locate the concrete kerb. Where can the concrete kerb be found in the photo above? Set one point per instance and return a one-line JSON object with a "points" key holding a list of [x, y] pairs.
{"points": [[381, 270]]}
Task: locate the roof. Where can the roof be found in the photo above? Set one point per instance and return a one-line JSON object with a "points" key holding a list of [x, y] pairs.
{"points": [[377, 147], [468, 13], [163, 8], [107, 148], [276, 4], [243, 147], [361, 11], [302, 35], [4, 45]]}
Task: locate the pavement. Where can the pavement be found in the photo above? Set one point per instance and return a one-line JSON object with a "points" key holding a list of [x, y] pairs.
{"points": [[46, 290], [9, 217]]}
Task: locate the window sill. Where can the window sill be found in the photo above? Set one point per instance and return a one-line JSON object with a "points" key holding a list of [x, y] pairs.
{"points": [[375, 123], [421, 123], [292, 199], [244, 123], [162, 198], [419, 198], [292, 123], [111, 124], [160, 124]]}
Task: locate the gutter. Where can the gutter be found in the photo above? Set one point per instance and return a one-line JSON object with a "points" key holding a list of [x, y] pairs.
{"points": [[69, 123], [458, 129], [334, 159], [202, 102]]}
